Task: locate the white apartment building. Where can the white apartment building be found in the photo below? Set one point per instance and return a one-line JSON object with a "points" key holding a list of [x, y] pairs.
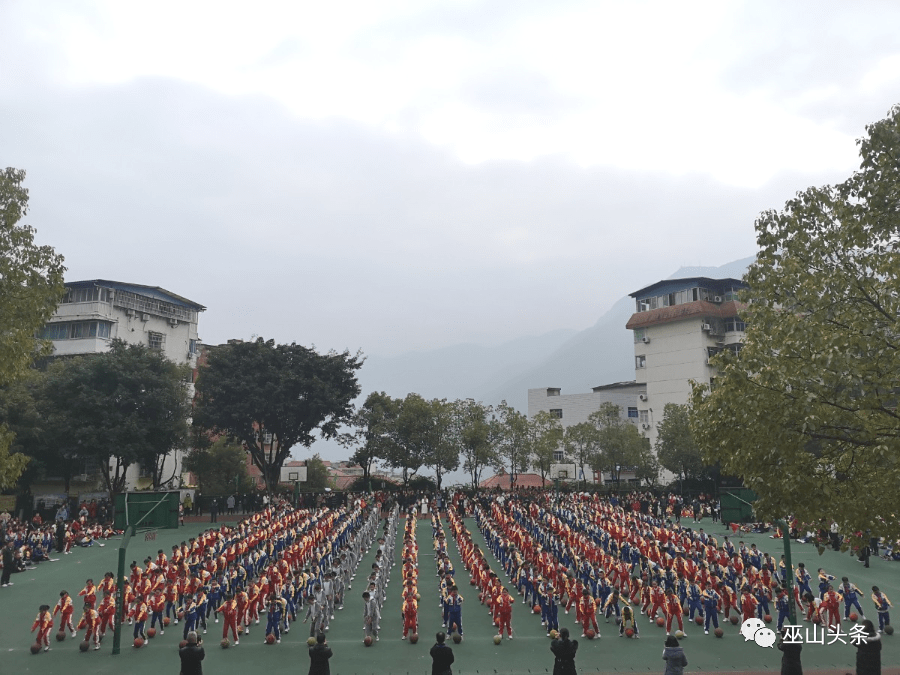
{"points": [[93, 313], [572, 409], [678, 325]]}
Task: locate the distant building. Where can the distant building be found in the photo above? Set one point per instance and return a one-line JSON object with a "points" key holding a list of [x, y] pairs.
{"points": [[93, 313], [523, 480], [678, 325], [572, 409]]}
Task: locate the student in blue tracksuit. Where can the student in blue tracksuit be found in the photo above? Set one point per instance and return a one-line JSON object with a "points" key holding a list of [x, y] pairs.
{"points": [[454, 610]]}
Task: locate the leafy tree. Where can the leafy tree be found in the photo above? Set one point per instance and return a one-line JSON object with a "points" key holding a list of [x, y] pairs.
{"points": [[545, 438], [511, 438], [273, 397], [317, 473], [374, 425], [806, 413], [221, 468], [443, 453], [31, 287], [127, 406], [419, 437], [471, 431], [621, 445], [676, 449], [582, 445]]}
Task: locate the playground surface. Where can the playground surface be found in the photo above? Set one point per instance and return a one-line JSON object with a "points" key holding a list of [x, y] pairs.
{"points": [[527, 654]]}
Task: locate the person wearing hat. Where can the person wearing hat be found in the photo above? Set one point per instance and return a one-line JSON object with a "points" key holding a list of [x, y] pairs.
{"points": [[192, 655], [674, 657]]}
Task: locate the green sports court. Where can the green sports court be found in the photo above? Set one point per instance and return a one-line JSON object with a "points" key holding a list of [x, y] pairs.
{"points": [[527, 654]]}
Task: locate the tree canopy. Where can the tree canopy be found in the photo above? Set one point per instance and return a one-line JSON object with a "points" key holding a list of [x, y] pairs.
{"points": [[806, 412], [31, 287], [676, 449], [274, 397], [221, 468], [621, 446]]}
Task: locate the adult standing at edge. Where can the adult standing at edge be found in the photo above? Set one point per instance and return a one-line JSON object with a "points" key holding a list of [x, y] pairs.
{"points": [[441, 656], [192, 656], [564, 650], [319, 654]]}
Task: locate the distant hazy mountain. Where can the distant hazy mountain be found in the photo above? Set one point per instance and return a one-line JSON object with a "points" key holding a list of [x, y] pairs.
{"points": [[572, 360]]}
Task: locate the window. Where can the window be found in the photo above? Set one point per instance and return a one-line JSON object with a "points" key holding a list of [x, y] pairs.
{"points": [[632, 412], [157, 341], [75, 330], [640, 361], [93, 294], [644, 417], [556, 412], [734, 324], [640, 334], [192, 346], [558, 456], [712, 383]]}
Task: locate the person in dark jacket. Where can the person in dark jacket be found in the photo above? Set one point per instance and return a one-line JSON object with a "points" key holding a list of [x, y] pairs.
{"points": [[674, 657], [319, 654], [790, 660], [9, 564], [192, 656], [868, 653], [564, 650], [441, 656]]}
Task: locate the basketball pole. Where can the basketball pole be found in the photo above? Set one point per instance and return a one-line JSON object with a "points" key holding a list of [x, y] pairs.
{"points": [[120, 586]]}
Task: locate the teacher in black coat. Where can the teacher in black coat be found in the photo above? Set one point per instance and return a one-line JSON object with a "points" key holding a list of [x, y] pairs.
{"points": [[564, 650], [319, 654], [192, 656], [441, 656]]}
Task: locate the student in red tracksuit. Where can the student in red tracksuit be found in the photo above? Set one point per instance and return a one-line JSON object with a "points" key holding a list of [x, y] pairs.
{"points": [[89, 593], [66, 609], [748, 605], [587, 612], [657, 600], [43, 623], [729, 599], [229, 610], [106, 614], [410, 616], [90, 621], [831, 603], [503, 608], [673, 610], [157, 607]]}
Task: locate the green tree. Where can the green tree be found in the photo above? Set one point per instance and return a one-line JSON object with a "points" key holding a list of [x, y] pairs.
{"points": [[676, 449], [127, 406], [545, 438], [442, 454], [273, 397], [621, 445], [471, 432], [374, 431], [221, 468], [317, 473], [31, 287], [510, 433], [582, 445], [806, 413]]}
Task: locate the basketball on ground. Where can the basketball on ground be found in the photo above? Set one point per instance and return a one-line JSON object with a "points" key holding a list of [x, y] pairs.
{"points": [[414, 638], [498, 639], [457, 638], [734, 620], [368, 641], [679, 634], [151, 633], [270, 639], [36, 647], [138, 642], [310, 640], [166, 621], [84, 646], [589, 633], [537, 609], [889, 629], [767, 618], [61, 636], [554, 634], [853, 616], [698, 620], [629, 632], [225, 644], [719, 632], [660, 621]]}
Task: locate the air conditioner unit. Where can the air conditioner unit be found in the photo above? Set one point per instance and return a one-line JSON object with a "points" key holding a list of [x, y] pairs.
{"points": [[643, 397], [645, 340], [145, 317], [718, 298], [129, 312], [706, 327], [173, 322], [645, 426]]}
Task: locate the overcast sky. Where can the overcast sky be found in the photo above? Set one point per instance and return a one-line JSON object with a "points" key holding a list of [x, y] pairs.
{"points": [[391, 175]]}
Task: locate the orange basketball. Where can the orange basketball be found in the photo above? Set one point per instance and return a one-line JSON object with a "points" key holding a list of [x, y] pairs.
{"points": [[660, 621], [138, 642], [537, 609]]}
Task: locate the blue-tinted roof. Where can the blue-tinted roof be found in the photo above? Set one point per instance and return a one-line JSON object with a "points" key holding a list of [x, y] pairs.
{"points": [[150, 291], [672, 285]]}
